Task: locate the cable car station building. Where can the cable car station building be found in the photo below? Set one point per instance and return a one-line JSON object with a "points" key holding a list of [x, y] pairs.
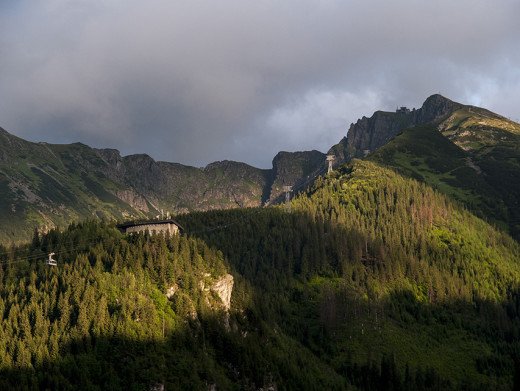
{"points": [[153, 226]]}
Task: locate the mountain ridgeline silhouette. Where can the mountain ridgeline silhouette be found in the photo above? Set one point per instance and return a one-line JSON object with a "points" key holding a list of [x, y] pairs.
{"points": [[47, 185]]}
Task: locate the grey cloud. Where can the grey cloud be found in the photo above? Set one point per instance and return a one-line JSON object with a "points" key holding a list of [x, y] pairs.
{"points": [[194, 82]]}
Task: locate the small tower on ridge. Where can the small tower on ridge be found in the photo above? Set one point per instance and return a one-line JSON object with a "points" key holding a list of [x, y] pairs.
{"points": [[330, 159]]}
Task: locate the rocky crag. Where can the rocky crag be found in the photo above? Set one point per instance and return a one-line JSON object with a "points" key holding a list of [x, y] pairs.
{"points": [[369, 134]]}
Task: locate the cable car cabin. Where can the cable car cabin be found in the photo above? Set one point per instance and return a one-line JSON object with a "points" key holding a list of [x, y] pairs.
{"points": [[50, 261]]}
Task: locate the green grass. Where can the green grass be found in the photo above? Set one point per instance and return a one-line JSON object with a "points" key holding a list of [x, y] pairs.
{"points": [[471, 117], [424, 154]]}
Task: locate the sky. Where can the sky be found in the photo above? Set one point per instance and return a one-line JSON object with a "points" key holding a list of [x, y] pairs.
{"points": [[197, 81]]}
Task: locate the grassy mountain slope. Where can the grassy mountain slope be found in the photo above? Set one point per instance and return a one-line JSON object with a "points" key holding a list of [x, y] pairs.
{"points": [[471, 127], [45, 185], [493, 145], [482, 176]]}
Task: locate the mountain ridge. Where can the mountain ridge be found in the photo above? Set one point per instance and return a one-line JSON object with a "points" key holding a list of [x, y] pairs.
{"points": [[381, 277], [44, 185], [369, 134]]}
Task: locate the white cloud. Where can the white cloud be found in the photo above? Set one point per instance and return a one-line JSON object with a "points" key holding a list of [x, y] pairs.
{"points": [[320, 118]]}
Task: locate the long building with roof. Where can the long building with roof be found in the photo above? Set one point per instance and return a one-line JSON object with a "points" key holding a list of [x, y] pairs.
{"points": [[152, 226]]}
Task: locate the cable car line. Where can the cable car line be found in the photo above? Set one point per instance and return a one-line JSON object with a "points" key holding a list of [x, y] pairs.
{"points": [[97, 239], [222, 226], [33, 257]]}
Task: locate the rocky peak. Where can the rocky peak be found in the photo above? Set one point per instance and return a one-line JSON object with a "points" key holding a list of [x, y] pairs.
{"points": [[369, 134], [291, 168], [435, 108]]}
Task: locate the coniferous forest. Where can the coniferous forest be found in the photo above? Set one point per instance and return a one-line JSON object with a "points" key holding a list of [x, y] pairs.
{"points": [[373, 281]]}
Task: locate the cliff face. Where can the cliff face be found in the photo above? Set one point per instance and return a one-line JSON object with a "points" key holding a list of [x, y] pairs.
{"points": [[224, 287], [293, 168], [368, 134]]}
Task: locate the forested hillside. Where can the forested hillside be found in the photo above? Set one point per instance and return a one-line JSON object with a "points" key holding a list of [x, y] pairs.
{"points": [[483, 177], [384, 267], [375, 281], [135, 312]]}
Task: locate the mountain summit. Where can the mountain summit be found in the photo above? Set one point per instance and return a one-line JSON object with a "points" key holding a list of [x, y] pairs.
{"points": [[44, 185], [369, 134]]}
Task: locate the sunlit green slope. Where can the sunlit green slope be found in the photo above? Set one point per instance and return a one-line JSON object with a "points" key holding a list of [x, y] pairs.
{"points": [[370, 266]]}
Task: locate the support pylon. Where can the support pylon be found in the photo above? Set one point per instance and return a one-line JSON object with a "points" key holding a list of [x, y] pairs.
{"points": [[330, 159], [287, 190]]}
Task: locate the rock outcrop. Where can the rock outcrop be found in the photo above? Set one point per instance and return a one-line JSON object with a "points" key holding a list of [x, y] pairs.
{"points": [[224, 287], [133, 199], [293, 168]]}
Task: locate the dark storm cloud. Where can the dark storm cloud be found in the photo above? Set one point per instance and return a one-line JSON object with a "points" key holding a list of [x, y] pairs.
{"points": [[194, 82]]}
